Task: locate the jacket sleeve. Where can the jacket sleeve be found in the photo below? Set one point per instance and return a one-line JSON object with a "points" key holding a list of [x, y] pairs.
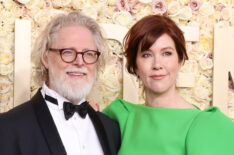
{"points": [[8, 140]]}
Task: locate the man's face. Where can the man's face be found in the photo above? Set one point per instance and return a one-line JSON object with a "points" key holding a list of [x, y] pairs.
{"points": [[71, 80]]}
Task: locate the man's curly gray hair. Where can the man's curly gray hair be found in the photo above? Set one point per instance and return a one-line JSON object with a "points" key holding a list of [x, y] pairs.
{"points": [[48, 35]]}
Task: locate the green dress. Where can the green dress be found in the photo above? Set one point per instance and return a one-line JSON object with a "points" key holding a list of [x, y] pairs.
{"points": [[166, 131]]}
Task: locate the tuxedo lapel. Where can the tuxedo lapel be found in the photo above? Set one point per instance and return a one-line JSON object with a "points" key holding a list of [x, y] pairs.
{"points": [[99, 130], [47, 125]]}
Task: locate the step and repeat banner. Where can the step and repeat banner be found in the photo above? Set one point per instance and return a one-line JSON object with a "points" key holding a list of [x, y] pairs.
{"points": [[205, 79]]}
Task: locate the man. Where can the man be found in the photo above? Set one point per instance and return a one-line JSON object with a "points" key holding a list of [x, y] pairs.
{"points": [[58, 120]]}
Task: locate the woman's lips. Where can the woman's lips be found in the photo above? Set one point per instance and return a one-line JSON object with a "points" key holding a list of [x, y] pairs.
{"points": [[157, 77]]}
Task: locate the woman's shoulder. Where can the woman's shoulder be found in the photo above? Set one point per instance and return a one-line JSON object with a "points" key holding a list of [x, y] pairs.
{"points": [[119, 109], [212, 116], [212, 119], [211, 132], [120, 105]]}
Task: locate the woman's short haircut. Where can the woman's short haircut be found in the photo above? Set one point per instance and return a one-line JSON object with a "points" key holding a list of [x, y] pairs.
{"points": [[49, 34], [145, 32]]}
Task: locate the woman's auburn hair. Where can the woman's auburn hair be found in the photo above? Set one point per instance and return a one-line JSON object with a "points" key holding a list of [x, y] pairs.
{"points": [[145, 32]]}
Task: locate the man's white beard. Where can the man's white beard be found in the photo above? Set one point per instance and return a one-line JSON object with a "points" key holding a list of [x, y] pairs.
{"points": [[73, 90]]}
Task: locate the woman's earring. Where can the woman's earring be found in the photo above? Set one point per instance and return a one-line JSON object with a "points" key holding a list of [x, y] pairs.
{"points": [[138, 78]]}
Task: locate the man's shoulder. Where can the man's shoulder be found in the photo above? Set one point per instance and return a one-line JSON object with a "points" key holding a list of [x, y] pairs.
{"points": [[22, 112], [109, 124], [23, 109], [17, 112], [104, 118]]}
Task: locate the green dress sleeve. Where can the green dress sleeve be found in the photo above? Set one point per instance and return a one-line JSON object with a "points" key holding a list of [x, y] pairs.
{"points": [[211, 133], [118, 110]]}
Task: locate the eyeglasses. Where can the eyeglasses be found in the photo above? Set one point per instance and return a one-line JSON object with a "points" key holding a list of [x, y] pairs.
{"points": [[69, 55]]}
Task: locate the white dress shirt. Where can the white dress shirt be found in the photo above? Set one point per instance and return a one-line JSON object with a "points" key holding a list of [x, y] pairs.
{"points": [[78, 135]]}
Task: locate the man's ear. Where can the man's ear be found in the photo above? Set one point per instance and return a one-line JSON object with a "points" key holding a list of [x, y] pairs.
{"points": [[45, 58]]}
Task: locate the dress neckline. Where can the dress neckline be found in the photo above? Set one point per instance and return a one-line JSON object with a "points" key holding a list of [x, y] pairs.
{"points": [[160, 108]]}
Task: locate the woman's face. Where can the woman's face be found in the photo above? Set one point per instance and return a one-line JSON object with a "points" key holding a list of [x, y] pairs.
{"points": [[158, 66]]}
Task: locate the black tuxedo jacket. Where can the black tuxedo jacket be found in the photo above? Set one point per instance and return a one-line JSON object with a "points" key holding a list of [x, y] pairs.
{"points": [[29, 129]]}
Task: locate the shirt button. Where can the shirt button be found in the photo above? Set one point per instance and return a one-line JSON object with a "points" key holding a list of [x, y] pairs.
{"points": [[74, 117], [83, 147]]}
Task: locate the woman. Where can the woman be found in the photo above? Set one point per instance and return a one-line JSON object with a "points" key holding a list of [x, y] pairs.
{"points": [[166, 124]]}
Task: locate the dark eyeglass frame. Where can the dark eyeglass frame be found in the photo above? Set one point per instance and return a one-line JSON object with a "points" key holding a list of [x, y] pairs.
{"points": [[82, 53]]}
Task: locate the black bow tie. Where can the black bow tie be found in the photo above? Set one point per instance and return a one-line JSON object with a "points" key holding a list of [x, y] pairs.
{"points": [[69, 108]]}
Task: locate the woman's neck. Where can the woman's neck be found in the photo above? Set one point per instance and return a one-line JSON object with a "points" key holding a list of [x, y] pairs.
{"points": [[169, 99]]}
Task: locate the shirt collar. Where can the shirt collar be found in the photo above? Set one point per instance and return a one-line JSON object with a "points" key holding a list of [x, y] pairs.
{"points": [[46, 90]]}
